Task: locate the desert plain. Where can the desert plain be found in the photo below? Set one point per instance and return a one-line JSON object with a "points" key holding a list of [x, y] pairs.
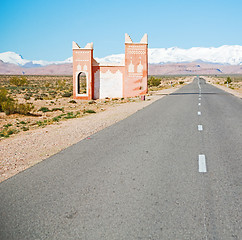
{"points": [[56, 121]]}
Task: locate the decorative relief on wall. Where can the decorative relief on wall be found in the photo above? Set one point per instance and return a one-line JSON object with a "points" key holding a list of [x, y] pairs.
{"points": [[85, 67], [136, 52], [79, 67], [136, 47], [135, 75], [140, 67], [131, 66], [82, 60], [82, 52]]}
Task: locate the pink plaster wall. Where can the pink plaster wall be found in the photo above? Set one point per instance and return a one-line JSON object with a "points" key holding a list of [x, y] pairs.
{"points": [[135, 83], [134, 73], [83, 58]]}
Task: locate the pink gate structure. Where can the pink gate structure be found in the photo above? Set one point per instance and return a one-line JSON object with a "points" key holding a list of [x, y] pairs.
{"points": [[93, 80]]}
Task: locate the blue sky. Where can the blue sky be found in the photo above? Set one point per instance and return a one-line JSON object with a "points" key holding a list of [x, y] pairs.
{"points": [[45, 29]]}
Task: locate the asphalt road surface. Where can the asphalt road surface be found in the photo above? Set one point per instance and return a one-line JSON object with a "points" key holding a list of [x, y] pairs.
{"points": [[171, 171]]}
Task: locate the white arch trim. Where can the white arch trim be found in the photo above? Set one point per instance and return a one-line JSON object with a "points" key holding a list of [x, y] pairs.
{"points": [[87, 79]]}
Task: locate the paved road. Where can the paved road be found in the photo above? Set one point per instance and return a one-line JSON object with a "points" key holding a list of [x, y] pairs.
{"points": [[154, 175]]}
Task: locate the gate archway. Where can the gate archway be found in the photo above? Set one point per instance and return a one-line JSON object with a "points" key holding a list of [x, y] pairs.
{"points": [[82, 83]]}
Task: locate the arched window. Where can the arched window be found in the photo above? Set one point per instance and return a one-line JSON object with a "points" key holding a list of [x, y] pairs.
{"points": [[81, 83]]}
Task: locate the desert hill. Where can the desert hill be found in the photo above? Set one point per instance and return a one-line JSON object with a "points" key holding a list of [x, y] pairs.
{"points": [[194, 68]]}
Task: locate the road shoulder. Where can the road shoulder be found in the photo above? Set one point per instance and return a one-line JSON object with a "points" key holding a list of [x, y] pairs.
{"points": [[28, 148]]}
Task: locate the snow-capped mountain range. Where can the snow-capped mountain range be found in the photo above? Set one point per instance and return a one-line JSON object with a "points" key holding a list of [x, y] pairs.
{"points": [[228, 55], [231, 55], [15, 58]]}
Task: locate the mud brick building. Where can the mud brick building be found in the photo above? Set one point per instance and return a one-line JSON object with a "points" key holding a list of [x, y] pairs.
{"points": [[93, 80]]}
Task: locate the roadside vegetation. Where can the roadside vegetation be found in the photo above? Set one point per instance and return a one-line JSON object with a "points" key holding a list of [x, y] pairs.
{"points": [[233, 82], [156, 83], [30, 102]]}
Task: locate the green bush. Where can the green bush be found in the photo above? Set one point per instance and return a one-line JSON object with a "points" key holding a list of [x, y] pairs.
{"points": [[9, 107], [25, 128], [57, 109], [89, 111], [44, 109], [7, 132], [228, 80], [42, 123], [44, 95], [58, 118], [66, 94], [37, 97], [18, 81], [61, 84], [7, 125], [72, 115], [5, 100], [69, 115], [72, 101], [152, 81], [24, 109], [26, 97], [12, 88], [3, 95], [181, 82]]}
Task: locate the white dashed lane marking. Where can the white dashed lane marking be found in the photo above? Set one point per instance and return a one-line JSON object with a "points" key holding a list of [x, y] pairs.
{"points": [[202, 163], [202, 168]]}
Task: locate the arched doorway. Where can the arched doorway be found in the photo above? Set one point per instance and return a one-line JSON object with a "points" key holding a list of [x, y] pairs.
{"points": [[81, 83]]}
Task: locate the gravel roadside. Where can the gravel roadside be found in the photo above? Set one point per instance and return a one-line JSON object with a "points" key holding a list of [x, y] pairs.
{"points": [[229, 90], [24, 150], [236, 93]]}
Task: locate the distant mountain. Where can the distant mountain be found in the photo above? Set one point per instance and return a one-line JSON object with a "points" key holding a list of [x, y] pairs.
{"points": [[231, 55], [223, 55], [15, 58], [12, 57], [53, 69], [226, 54], [31, 65], [193, 68], [164, 61]]}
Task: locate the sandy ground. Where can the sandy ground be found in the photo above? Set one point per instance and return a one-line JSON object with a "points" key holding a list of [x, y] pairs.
{"points": [[236, 92], [22, 151], [229, 90]]}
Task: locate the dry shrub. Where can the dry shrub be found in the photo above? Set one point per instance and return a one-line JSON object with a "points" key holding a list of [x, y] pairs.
{"points": [[18, 81]]}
